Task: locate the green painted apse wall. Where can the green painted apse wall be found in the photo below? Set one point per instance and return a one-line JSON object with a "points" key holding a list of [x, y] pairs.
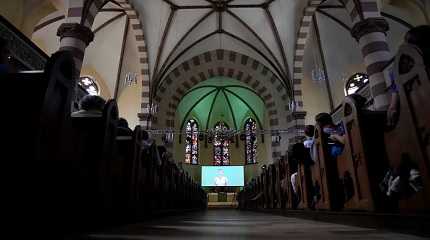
{"points": [[230, 101]]}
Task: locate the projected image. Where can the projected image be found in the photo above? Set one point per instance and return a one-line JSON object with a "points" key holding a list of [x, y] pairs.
{"points": [[222, 176]]}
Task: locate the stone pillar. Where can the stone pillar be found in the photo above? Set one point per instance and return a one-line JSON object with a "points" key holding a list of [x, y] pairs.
{"points": [[371, 36], [296, 125], [75, 37]]}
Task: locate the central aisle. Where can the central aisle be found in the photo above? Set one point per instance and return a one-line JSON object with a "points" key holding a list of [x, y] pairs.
{"points": [[234, 224]]}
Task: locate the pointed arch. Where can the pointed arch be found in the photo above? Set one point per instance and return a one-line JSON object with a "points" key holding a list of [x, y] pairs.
{"points": [[192, 142], [250, 129], [221, 145]]}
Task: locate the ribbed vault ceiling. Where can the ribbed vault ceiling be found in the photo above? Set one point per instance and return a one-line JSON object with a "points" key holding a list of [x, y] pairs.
{"points": [[177, 30], [221, 99]]}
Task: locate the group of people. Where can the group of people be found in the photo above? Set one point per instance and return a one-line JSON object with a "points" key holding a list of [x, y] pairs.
{"points": [[399, 182], [305, 154]]}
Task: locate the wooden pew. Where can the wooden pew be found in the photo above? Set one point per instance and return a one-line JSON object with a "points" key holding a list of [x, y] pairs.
{"points": [[123, 171], [259, 198], [304, 179], [37, 115], [324, 175], [39, 112], [74, 170], [270, 186], [277, 185], [285, 183], [410, 137], [265, 188], [273, 185], [164, 178], [253, 194], [91, 154], [362, 163]]}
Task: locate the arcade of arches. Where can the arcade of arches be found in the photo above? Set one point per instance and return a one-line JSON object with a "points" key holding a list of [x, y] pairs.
{"points": [[217, 104]]}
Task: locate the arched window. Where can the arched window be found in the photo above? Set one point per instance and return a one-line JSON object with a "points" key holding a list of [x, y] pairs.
{"points": [[221, 144], [250, 141], [356, 82], [89, 85], [192, 142]]}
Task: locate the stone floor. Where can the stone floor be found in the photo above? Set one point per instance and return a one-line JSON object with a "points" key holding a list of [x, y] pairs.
{"points": [[234, 224]]}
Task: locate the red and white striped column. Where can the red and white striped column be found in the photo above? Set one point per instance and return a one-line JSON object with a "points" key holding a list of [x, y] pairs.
{"points": [[369, 29], [74, 38], [75, 34]]}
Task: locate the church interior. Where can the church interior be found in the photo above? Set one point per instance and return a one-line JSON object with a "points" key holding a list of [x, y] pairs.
{"points": [[217, 119]]}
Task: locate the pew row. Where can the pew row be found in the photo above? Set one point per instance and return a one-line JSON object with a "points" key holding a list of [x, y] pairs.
{"points": [[83, 171]]}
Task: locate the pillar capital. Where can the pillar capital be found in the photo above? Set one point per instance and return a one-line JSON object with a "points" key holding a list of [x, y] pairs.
{"points": [[369, 25], [76, 30]]}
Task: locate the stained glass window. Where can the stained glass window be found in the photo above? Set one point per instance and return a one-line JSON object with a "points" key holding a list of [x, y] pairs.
{"points": [[221, 144], [192, 142], [250, 141], [356, 82], [89, 85]]}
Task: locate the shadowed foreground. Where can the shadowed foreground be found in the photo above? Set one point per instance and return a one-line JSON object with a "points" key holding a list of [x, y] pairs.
{"points": [[232, 224]]}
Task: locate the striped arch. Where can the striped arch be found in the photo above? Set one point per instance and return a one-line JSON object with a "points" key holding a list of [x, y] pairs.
{"points": [[84, 12], [375, 53], [228, 64]]}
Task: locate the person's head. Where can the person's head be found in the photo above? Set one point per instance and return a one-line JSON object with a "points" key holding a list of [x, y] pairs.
{"points": [[298, 150], [324, 120], [92, 103], [420, 37], [4, 51], [309, 130], [122, 123]]}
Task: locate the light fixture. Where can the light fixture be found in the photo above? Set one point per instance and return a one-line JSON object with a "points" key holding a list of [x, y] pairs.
{"points": [[130, 79], [276, 138], [168, 136], [318, 75], [152, 108]]}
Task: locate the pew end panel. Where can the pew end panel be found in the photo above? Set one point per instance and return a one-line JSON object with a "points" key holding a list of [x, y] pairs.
{"points": [[409, 140], [363, 162]]}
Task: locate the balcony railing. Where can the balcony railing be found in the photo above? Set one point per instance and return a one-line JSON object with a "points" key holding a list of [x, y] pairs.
{"points": [[22, 49]]}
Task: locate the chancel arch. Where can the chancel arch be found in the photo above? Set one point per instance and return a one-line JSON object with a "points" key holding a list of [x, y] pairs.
{"points": [[229, 64], [222, 107]]}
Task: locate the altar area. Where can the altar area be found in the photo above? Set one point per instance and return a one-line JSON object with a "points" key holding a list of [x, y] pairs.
{"points": [[222, 200]]}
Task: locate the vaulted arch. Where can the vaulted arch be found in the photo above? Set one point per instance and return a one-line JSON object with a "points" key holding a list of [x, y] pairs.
{"points": [[226, 64], [369, 29]]}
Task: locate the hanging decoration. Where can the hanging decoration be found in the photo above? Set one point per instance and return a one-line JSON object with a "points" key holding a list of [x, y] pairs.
{"points": [[130, 79]]}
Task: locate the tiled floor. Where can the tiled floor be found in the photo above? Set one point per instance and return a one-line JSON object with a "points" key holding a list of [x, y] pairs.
{"points": [[233, 224]]}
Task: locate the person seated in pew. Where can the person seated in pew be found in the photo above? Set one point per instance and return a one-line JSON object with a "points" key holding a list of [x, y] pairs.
{"points": [[335, 134], [420, 37], [122, 129], [296, 155], [309, 134], [90, 106], [309, 142], [294, 186], [147, 141]]}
